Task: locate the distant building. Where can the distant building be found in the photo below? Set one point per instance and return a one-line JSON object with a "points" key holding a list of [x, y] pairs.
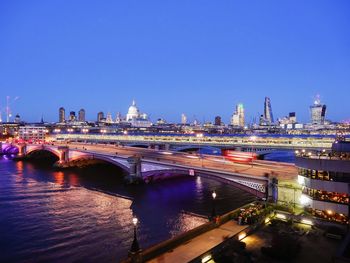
{"points": [[100, 116], [292, 117], [81, 115], [318, 112], [118, 118], [183, 119], [109, 118], [61, 115], [237, 118], [135, 118], [72, 116], [217, 121], [268, 116], [17, 119], [32, 133]]}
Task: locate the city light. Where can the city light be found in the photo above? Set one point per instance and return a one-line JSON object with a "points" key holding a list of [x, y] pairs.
{"points": [[242, 236], [281, 216], [306, 222]]}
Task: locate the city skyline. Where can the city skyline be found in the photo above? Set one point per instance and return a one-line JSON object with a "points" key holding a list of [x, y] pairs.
{"points": [[201, 60]]}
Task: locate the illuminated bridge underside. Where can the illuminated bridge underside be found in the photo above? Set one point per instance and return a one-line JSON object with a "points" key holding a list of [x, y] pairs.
{"points": [[156, 170], [273, 142]]}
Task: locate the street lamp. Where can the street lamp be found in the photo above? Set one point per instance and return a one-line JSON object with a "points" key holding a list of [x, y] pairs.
{"points": [[135, 248], [213, 212]]}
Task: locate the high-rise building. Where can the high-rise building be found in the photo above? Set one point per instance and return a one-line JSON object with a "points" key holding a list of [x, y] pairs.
{"points": [[238, 116], [183, 118], [292, 117], [61, 115], [268, 116], [17, 119], [318, 112], [109, 118], [118, 118], [72, 116], [100, 116], [217, 121], [81, 115]]}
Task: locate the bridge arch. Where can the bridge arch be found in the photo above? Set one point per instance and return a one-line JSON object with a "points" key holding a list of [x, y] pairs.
{"points": [[100, 158], [42, 149], [202, 149]]}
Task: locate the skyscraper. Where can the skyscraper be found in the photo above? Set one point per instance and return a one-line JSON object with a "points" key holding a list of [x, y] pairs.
{"points": [[183, 118], [61, 115], [72, 116], [100, 116], [268, 116], [318, 111], [217, 121], [238, 116], [81, 115], [109, 118]]}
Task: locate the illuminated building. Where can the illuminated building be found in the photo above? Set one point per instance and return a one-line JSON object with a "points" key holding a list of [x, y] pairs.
{"points": [[72, 116], [100, 116], [109, 118], [32, 133], [61, 115], [237, 118], [183, 119], [135, 118], [318, 112], [268, 116], [81, 115], [325, 177], [17, 119], [118, 118], [217, 121]]}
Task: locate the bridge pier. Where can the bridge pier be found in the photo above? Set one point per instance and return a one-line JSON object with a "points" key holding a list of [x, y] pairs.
{"points": [[0, 147], [22, 149], [272, 189], [135, 175], [64, 154]]}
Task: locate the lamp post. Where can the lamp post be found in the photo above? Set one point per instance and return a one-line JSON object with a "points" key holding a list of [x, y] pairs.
{"points": [[135, 248], [213, 212]]}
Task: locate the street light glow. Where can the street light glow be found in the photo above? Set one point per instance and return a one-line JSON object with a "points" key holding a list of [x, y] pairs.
{"points": [[134, 221], [213, 195]]}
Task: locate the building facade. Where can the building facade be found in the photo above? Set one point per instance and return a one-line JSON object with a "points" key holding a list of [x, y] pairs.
{"points": [[81, 115], [318, 112], [61, 115], [325, 180]]}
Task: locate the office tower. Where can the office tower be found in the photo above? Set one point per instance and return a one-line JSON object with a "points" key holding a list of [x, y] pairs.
{"points": [[61, 115], [72, 116], [217, 121], [109, 118], [118, 118], [100, 116], [238, 116], [81, 115], [268, 116], [292, 117], [183, 118], [318, 112]]}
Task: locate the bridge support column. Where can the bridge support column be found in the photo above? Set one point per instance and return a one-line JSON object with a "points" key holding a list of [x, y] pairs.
{"points": [[22, 149], [135, 170], [64, 154], [167, 147], [0, 147], [272, 189], [156, 147]]}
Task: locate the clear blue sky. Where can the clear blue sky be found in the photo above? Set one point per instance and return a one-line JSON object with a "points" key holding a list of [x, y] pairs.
{"points": [[200, 57]]}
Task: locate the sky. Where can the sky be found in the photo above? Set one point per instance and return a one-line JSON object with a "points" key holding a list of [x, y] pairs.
{"points": [[199, 57]]}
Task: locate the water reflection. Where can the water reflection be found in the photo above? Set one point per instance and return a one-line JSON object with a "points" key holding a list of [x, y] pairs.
{"points": [[55, 216]]}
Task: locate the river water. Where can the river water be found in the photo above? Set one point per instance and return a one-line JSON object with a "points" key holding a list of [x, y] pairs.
{"points": [[85, 215]]}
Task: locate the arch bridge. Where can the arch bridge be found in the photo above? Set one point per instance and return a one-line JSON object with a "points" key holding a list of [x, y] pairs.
{"points": [[143, 168]]}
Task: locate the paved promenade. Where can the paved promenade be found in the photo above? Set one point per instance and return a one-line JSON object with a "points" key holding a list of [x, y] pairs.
{"points": [[200, 244]]}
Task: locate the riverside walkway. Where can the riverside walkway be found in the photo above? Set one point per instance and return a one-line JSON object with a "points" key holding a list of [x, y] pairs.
{"points": [[200, 244]]}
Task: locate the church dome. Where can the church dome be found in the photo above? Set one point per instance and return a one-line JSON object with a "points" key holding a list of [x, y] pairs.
{"points": [[133, 111]]}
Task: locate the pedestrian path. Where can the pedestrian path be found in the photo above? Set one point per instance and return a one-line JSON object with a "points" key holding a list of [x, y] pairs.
{"points": [[200, 244]]}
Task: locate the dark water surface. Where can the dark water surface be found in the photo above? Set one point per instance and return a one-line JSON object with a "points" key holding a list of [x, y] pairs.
{"points": [[82, 216]]}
